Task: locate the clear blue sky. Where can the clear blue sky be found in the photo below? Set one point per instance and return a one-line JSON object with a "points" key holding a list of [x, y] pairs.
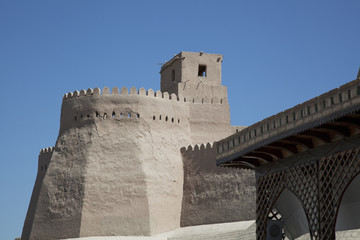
{"points": [[276, 54]]}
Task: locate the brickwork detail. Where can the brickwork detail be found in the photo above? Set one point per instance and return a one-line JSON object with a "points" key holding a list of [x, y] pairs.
{"points": [[319, 186]]}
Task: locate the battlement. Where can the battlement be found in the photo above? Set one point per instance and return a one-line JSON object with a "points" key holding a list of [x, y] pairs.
{"points": [[326, 107], [142, 92], [44, 160], [197, 147], [46, 150]]}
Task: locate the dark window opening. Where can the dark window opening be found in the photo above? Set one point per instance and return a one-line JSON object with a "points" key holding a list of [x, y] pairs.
{"points": [[153, 117], [166, 118], [88, 115], [113, 114], [308, 111], [202, 71], [173, 75], [324, 104], [75, 118], [316, 107], [358, 90], [172, 119], [332, 101], [349, 94], [340, 97], [137, 115], [160, 117], [294, 116], [97, 114], [178, 120]]}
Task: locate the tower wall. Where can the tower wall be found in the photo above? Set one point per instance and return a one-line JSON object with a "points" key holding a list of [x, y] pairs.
{"points": [[43, 163], [193, 74], [213, 194], [209, 120], [116, 168]]}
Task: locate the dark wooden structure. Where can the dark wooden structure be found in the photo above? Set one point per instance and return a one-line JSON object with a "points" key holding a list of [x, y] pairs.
{"points": [[312, 149]]}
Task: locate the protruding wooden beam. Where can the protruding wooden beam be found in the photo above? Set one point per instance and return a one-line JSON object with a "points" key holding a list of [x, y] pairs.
{"points": [[290, 147], [337, 128], [241, 164], [350, 120], [262, 156], [307, 142], [275, 153], [316, 134]]}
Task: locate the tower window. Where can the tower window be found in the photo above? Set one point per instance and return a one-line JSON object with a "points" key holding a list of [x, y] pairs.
{"points": [[173, 75], [202, 71]]}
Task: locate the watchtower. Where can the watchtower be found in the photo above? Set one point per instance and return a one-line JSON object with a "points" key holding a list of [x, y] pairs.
{"points": [[194, 74]]}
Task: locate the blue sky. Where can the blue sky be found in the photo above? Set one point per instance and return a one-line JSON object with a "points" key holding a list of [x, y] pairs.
{"points": [[276, 54]]}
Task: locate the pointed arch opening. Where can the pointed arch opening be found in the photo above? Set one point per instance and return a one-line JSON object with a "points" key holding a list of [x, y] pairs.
{"points": [[291, 214], [348, 214]]}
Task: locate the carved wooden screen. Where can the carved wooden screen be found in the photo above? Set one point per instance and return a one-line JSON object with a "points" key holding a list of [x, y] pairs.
{"points": [[318, 185]]}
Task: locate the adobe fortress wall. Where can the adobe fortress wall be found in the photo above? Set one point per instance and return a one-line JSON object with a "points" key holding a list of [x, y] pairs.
{"points": [[213, 194], [116, 168]]}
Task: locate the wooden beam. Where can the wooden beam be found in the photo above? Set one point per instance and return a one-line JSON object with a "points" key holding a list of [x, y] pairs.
{"points": [[316, 134], [336, 128], [239, 164], [262, 156], [307, 142], [350, 120], [289, 147], [275, 153]]}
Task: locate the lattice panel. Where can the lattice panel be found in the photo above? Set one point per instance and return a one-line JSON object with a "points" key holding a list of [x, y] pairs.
{"points": [[303, 182], [267, 189], [319, 186], [274, 215], [335, 172]]}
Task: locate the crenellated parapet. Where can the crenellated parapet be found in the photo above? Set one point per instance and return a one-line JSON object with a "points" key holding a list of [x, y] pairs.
{"points": [[197, 147], [142, 92], [326, 107], [45, 151], [138, 105], [44, 159]]}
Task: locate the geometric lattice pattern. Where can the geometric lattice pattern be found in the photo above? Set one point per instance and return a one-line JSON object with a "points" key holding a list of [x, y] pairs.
{"points": [[319, 186]]}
